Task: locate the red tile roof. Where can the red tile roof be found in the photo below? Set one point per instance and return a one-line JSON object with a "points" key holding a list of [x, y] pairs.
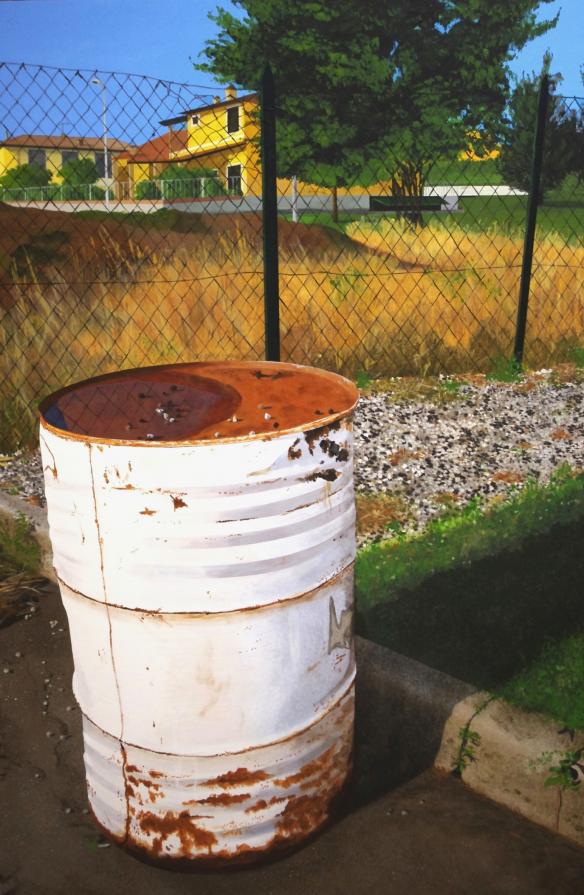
{"points": [[61, 141], [158, 149]]}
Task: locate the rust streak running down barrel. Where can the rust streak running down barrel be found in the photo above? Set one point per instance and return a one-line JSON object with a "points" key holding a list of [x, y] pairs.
{"points": [[203, 529]]}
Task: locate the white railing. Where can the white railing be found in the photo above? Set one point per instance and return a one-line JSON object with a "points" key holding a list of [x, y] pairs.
{"points": [[187, 188], [54, 192], [184, 188]]}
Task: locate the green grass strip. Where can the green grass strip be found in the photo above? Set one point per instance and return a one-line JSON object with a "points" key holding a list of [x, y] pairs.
{"points": [[463, 536], [19, 551], [553, 684]]}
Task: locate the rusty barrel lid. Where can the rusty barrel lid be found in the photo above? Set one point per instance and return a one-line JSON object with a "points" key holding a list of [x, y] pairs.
{"points": [[199, 402]]}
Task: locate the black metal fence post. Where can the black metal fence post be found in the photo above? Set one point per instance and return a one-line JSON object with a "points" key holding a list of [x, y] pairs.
{"points": [[270, 216], [532, 204]]}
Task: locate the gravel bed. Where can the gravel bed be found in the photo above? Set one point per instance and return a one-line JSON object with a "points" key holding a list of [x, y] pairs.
{"points": [[22, 474], [488, 438]]}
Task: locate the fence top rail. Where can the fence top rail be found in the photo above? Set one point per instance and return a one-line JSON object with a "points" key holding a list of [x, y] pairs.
{"points": [[103, 71]]}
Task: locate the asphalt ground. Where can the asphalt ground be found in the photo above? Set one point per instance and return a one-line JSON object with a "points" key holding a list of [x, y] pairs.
{"points": [[427, 836]]}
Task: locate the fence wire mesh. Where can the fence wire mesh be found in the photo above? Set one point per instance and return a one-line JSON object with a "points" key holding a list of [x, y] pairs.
{"points": [[422, 264], [123, 241], [555, 327], [131, 235]]}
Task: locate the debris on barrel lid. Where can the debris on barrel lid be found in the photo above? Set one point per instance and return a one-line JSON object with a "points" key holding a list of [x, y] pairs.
{"points": [[199, 402]]}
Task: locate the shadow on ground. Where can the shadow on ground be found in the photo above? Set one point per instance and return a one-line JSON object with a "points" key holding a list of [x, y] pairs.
{"points": [[431, 835], [484, 622]]}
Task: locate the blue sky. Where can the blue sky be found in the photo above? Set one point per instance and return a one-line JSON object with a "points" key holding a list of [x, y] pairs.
{"points": [[154, 38]]}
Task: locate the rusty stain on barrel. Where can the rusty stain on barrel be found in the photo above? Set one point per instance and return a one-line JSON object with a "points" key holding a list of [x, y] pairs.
{"points": [[216, 498]]}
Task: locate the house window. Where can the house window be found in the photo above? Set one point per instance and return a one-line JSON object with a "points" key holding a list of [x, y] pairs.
{"points": [[100, 163], [194, 119], [37, 157], [232, 119], [69, 155], [234, 180]]}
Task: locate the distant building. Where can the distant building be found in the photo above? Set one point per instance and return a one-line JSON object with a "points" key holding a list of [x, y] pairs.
{"points": [[146, 162], [51, 152], [220, 138], [220, 141]]}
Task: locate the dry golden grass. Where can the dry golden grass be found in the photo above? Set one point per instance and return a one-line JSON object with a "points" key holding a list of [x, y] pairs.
{"points": [[395, 301], [376, 511]]}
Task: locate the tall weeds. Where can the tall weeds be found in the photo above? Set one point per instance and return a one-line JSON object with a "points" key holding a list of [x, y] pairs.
{"points": [[434, 299]]}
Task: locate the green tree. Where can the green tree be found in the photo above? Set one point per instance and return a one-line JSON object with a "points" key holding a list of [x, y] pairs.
{"points": [[147, 189], [79, 172], [177, 172], [564, 136], [374, 87], [24, 175]]}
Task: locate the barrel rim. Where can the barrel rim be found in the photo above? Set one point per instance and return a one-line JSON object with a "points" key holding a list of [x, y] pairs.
{"points": [[318, 423]]}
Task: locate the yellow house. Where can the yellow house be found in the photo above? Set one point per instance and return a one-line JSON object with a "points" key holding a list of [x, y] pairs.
{"points": [[51, 152], [146, 162], [222, 139], [470, 154], [219, 140]]}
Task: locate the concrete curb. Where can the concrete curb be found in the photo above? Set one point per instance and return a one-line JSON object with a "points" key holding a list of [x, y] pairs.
{"points": [[409, 718], [402, 709], [513, 759]]}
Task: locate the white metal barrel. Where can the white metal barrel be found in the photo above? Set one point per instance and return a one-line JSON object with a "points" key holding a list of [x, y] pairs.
{"points": [[203, 529]]}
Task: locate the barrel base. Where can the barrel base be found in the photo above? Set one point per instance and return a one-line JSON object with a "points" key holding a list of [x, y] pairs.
{"points": [[232, 862], [187, 812]]}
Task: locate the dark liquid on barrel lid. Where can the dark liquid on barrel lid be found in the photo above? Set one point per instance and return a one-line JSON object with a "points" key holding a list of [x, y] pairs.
{"points": [[184, 402]]}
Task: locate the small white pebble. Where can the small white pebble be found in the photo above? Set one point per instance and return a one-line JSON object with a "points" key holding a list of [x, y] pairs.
{"points": [[68, 810], [85, 811], [252, 432], [37, 776], [6, 670], [217, 434], [60, 630], [49, 733], [18, 655], [69, 708], [53, 622], [267, 416], [62, 736], [43, 661], [45, 702], [46, 680], [403, 813], [103, 845]]}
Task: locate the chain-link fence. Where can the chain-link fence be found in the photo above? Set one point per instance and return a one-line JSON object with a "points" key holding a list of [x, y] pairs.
{"points": [[424, 261], [131, 235], [129, 230]]}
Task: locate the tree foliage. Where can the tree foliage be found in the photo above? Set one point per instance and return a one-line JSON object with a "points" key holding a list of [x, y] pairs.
{"points": [[564, 136], [374, 87], [79, 171], [178, 172], [24, 176]]}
